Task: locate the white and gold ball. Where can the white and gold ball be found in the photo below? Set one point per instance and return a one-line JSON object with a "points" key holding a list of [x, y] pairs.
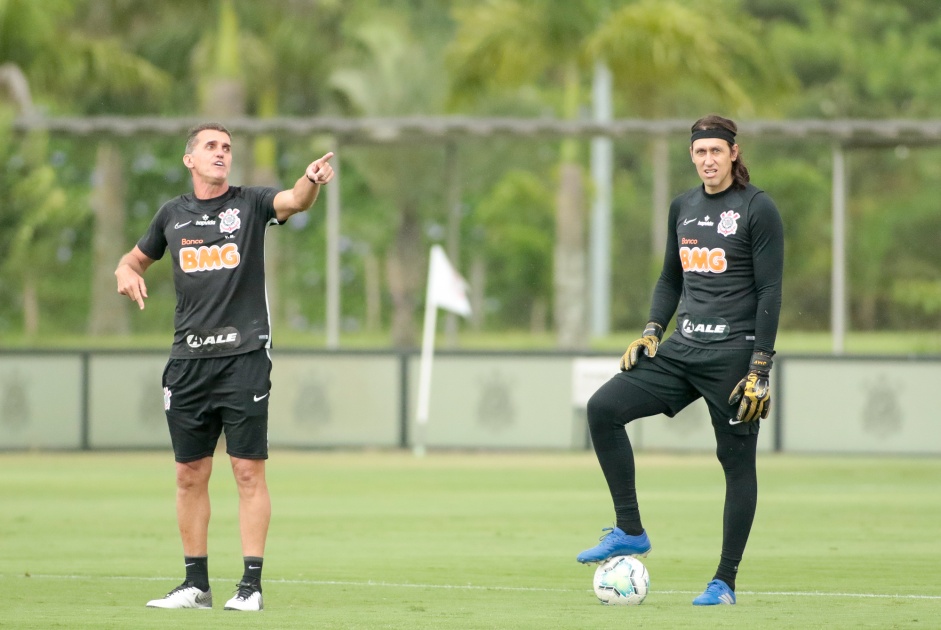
{"points": [[621, 581]]}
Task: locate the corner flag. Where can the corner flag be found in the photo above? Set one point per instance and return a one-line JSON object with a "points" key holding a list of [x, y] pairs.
{"points": [[447, 290]]}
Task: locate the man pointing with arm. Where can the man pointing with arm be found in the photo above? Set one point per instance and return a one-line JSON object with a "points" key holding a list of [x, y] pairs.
{"points": [[218, 376]]}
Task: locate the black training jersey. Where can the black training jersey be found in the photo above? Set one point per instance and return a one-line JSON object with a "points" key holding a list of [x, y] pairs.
{"points": [[722, 269], [217, 246]]}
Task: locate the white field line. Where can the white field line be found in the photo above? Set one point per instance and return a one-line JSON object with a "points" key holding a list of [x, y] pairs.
{"points": [[477, 587]]}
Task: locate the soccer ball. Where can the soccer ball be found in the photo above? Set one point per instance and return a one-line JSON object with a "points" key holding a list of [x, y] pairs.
{"points": [[621, 581]]}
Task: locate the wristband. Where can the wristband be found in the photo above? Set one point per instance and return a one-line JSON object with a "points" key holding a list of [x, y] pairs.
{"points": [[761, 362]]}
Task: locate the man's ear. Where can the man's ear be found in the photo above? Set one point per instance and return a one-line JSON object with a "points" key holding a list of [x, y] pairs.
{"points": [[188, 160]]}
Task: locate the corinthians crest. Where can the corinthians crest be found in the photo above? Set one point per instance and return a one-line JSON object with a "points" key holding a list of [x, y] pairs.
{"points": [[728, 222], [312, 406], [229, 221], [882, 415], [495, 406]]}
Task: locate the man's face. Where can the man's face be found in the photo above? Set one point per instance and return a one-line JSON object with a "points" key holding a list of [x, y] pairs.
{"points": [[713, 159], [211, 157]]}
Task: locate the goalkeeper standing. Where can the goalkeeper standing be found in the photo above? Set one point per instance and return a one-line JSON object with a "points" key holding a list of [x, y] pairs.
{"points": [[721, 277]]}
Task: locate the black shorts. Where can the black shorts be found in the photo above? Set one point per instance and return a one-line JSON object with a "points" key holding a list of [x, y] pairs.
{"points": [[203, 397], [680, 374]]}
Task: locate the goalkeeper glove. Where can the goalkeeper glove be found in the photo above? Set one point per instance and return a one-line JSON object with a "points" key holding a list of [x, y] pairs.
{"points": [[753, 393], [649, 343]]}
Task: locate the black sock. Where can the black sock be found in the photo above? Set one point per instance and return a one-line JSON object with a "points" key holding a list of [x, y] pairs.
{"points": [[618, 466], [737, 454], [197, 571], [252, 573], [726, 572]]}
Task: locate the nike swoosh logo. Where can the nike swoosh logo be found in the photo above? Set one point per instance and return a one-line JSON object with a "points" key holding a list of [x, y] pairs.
{"points": [[253, 568], [179, 225], [688, 221], [257, 398], [190, 564], [734, 422]]}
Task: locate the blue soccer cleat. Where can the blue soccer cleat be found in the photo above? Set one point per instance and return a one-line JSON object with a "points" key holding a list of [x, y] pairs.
{"points": [[616, 543], [717, 592]]}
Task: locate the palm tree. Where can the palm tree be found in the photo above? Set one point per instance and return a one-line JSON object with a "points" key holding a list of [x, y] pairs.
{"points": [[25, 29], [123, 75], [79, 66], [506, 43], [36, 206], [392, 75], [660, 51], [282, 40], [78, 62]]}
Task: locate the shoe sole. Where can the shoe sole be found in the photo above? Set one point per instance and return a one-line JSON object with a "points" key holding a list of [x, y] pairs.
{"points": [[634, 555]]}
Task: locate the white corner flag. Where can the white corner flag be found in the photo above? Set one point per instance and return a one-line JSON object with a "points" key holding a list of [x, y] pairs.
{"points": [[447, 290]]}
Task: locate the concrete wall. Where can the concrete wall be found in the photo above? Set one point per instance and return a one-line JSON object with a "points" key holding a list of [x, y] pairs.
{"points": [[114, 400]]}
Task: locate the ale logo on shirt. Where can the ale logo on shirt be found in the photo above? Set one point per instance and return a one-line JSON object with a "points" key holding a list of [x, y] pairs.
{"points": [[216, 340], [210, 258], [705, 328]]}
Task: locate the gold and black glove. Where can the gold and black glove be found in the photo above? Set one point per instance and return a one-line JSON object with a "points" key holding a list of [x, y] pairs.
{"points": [[649, 343], [753, 393]]}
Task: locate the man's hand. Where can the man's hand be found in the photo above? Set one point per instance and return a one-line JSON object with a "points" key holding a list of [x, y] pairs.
{"points": [[131, 284], [302, 195], [753, 393], [130, 281], [649, 343], [319, 171]]}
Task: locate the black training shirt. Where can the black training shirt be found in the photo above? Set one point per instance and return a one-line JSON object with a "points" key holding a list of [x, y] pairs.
{"points": [[722, 269], [217, 246]]}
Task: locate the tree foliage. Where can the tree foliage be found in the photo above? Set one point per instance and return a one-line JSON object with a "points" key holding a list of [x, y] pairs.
{"points": [[745, 58]]}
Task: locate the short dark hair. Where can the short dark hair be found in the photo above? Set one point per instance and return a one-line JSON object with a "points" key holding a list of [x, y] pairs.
{"points": [[740, 176], [191, 138]]}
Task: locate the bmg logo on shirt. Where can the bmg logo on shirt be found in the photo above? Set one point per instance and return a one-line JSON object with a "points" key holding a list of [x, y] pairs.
{"points": [[210, 258], [703, 259]]}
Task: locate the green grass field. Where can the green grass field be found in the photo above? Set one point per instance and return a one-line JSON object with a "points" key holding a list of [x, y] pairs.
{"points": [[470, 540]]}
